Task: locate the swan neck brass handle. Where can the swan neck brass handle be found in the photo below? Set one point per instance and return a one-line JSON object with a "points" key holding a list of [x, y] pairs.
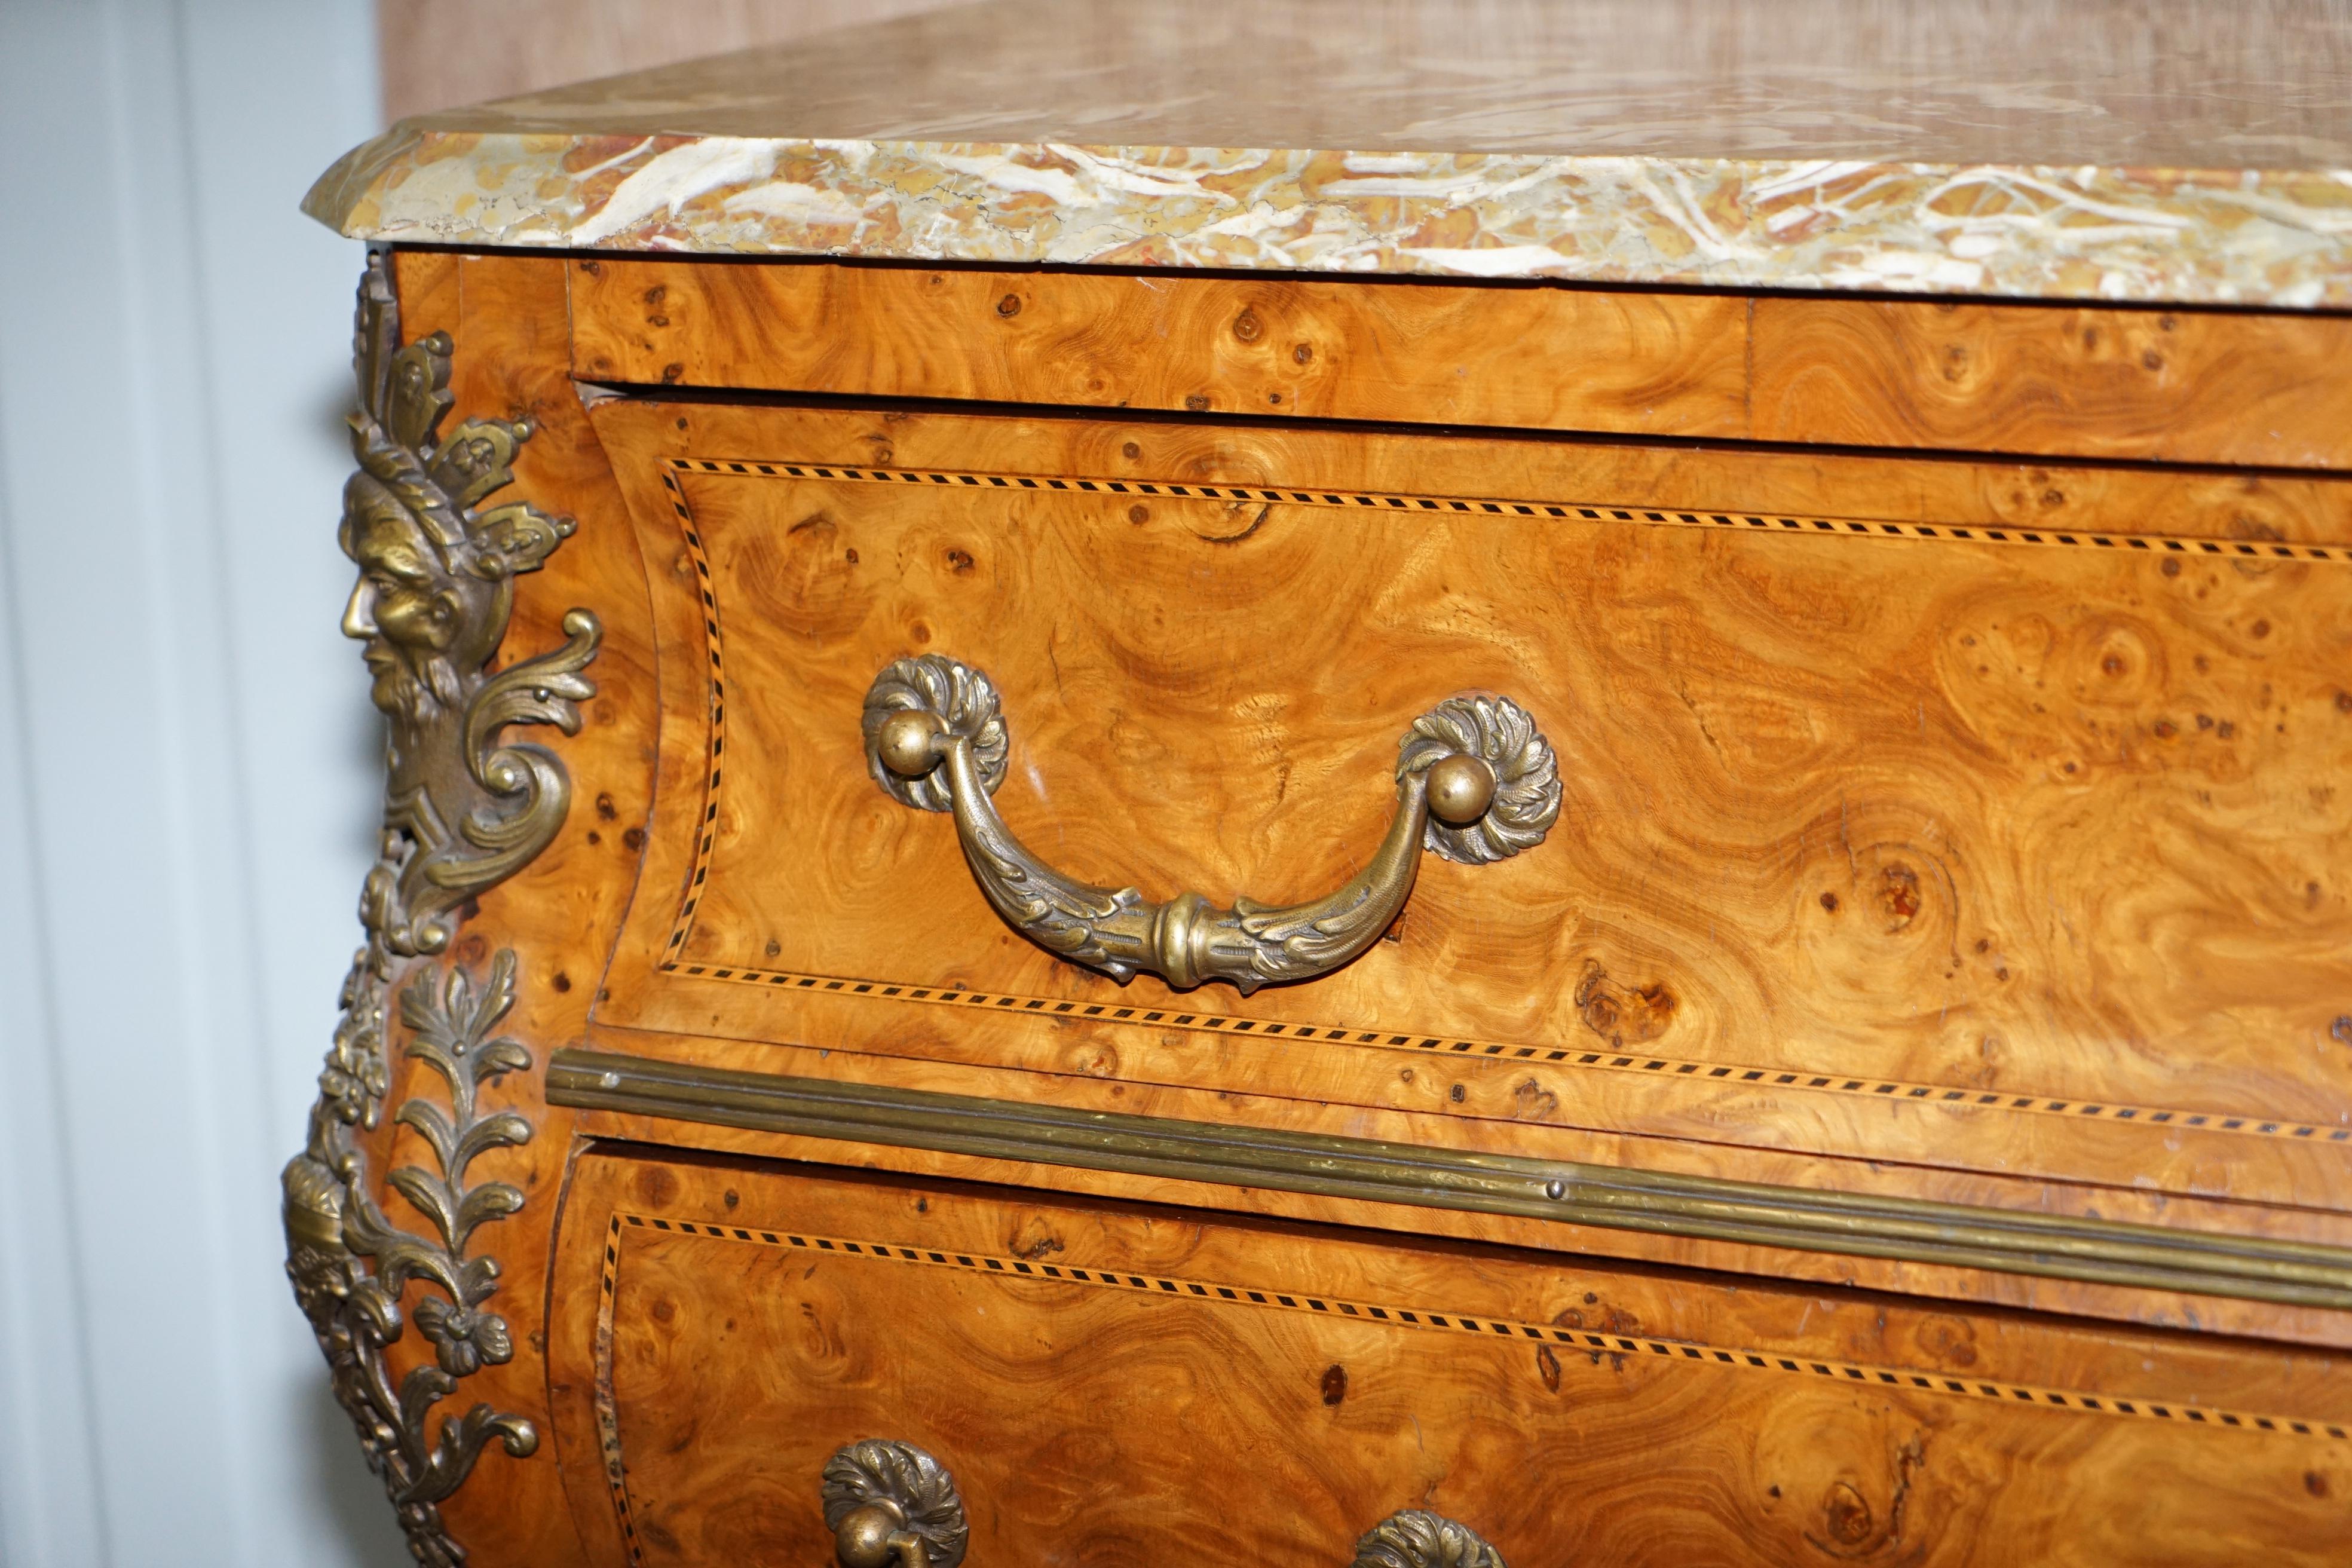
{"points": [[891, 1505], [1475, 781]]}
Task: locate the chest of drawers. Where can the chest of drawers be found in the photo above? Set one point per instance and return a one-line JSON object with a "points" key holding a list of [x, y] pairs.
{"points": [[1058, 885]]}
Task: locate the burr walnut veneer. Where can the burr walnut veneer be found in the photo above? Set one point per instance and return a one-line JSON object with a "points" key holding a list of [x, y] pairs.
{"points": [[1102, 916]]}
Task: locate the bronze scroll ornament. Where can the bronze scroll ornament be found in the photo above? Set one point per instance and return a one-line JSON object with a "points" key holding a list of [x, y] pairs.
{"points": [[463, 811], [1475, 783]]}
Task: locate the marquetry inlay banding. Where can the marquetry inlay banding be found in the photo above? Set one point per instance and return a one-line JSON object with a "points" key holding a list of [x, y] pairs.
{"points": [[608, 1419], [1550, 1056], [1208, 1021], [1682, 1353], [1564, 512]]}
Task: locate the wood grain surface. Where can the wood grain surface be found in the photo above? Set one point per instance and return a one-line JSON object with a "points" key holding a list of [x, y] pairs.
{"points": [[2180, 386], [1222, 1402], [1659, 364]]}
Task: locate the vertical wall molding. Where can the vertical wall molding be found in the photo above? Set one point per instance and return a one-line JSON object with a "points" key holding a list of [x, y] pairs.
{"points": [[48, 1497]]}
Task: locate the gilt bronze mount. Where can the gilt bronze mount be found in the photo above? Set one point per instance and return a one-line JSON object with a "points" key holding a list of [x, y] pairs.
{"points": [[466, 807]]}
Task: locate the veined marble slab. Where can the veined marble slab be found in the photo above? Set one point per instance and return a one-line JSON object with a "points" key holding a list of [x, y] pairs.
{"points": [[2115, 150]]}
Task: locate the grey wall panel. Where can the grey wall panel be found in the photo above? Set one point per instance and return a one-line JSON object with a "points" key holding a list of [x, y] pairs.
{"points": [[186, 778]]}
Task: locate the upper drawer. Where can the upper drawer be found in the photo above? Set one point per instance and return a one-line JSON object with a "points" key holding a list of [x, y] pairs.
{"points": [[2183, 386], [1963, 844]]}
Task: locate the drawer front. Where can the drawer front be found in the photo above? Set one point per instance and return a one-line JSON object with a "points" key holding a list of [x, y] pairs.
{"points": [[1108, 1385], [2037, 830], [2185, 386], [2055, 819]]}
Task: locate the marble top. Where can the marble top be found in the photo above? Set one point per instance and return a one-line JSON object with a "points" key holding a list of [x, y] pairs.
{"points": [[2127, 149]]}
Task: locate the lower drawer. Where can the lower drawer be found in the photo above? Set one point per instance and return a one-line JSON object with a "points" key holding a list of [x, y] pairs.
{"points": [[1123, 1386]]}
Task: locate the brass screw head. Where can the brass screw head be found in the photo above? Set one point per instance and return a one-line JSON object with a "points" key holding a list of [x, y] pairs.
{"points": [[1461, 788], [903, 743]]}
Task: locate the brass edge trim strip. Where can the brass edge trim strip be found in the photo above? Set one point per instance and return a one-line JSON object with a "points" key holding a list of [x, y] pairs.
{"points": [[706, 828], [1908, 1230], [1680, 1351]]}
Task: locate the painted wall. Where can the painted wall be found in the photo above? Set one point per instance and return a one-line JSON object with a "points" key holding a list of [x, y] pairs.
{"points": [[187, 773], [522, 45]]}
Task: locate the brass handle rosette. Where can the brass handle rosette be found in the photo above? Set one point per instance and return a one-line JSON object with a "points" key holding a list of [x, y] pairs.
{"points": [[1419, 1539], [1475, 783], [891, 1505]]}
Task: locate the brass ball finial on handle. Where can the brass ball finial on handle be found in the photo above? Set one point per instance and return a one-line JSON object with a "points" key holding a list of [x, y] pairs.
{"points": [[903, 743], [891, 1505], [1461, 788], [876, 1536]]}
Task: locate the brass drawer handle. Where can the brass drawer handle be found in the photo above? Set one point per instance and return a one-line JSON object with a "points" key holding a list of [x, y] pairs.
{"points": [[1475, 783], [891, 1505], [1419, 1539]]}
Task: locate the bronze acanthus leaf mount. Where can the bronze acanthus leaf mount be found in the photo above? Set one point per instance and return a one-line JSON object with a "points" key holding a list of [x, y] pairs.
{"points": [[464, 809]]}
